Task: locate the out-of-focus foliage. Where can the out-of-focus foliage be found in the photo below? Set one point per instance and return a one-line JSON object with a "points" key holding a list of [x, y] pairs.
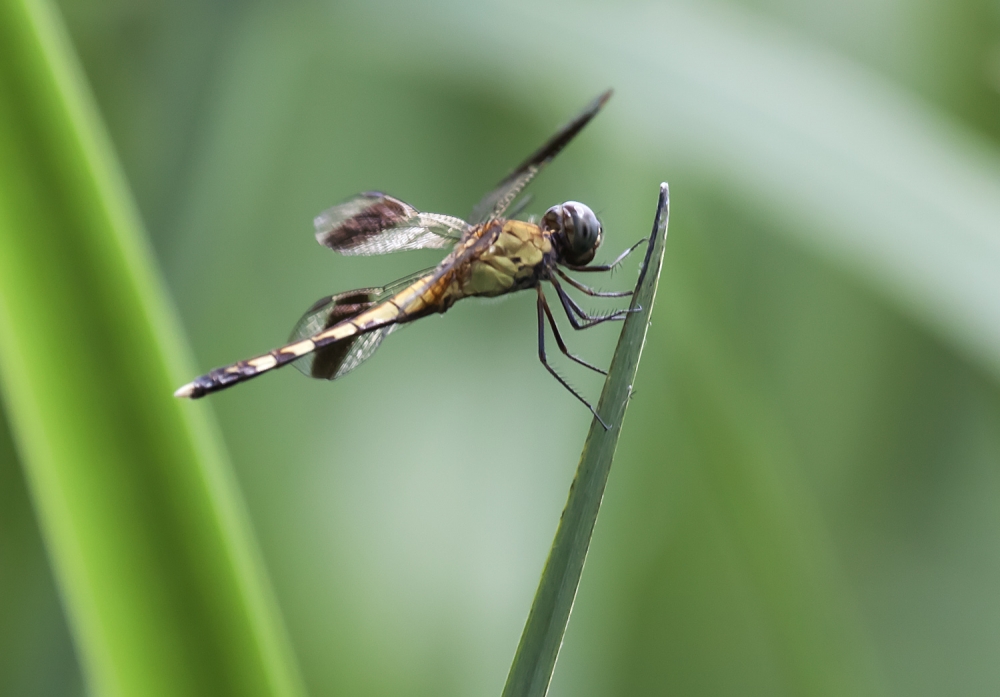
{"points": [[805, 500], [161, 581]]}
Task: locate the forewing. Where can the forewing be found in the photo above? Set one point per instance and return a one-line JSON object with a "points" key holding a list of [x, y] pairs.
{"points": [[496, 202], [376, 223]]}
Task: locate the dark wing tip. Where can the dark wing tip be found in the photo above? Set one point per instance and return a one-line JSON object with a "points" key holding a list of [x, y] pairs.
{"points": [[595, 106], [563, 136], [495, 202]]}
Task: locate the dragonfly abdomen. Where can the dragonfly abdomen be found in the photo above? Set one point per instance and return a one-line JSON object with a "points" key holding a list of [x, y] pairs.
{"points": [[404, 306], [416, 300]]}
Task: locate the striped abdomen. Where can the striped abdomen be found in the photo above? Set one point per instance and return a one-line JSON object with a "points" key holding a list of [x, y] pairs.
{"points": [[365, 315]]}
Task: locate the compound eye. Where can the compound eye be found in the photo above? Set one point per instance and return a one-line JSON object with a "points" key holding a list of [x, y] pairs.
{"points": [[586, 229]]}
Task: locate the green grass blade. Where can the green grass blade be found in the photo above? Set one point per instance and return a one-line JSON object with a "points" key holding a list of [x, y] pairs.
{"points": [[543, 633], [150, 546]]}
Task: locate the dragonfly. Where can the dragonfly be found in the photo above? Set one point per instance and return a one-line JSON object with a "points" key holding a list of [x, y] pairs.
{"points": [[491, 255]]}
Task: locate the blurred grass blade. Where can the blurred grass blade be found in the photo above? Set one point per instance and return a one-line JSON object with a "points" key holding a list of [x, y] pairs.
{"points": [[536, 654], [150, 546]]}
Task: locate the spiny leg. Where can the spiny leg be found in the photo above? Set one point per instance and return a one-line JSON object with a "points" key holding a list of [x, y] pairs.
{"points": [[542, 312], [590, 291], [608, 267], [559, 340], [573, 310]]}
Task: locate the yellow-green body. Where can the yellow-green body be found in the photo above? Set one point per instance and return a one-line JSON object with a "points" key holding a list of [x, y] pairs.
{"points": [[493, 260], [511, 262]]}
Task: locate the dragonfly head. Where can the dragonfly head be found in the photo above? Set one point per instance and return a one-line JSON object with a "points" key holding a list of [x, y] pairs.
{"points": [[576, 231]]}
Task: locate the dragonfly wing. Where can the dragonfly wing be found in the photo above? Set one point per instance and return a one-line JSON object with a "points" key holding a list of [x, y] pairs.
{"points": [[338, 359], [496, 202], [376, 223]]}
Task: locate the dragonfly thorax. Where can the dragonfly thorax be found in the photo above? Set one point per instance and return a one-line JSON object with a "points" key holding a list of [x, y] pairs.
{"points": [[576, 231]]}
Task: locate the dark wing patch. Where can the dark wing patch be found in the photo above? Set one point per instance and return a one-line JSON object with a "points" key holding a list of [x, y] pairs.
{"points": [[496, 202], [376, 223], [326, 362], [338, 359], [341, 357]]}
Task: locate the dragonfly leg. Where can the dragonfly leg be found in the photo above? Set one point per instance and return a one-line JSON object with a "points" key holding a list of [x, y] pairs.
{"points": [[559, 340], [543, 311], [573, 310], [608, 267], [590, 291]]}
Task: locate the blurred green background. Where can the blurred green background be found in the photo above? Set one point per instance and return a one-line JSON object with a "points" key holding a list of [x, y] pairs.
{"points": [[806, 499]]}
